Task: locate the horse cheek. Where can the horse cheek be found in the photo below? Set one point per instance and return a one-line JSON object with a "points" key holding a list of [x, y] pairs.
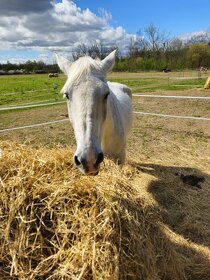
{"points": [[104, 110], [104, 114], [70, 112]]}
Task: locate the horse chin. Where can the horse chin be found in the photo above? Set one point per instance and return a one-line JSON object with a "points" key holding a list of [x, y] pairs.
{"points": [[94, 174], [89, 173]]}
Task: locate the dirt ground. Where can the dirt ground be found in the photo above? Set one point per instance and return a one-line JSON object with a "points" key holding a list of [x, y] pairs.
{"points": [[168, 166]]}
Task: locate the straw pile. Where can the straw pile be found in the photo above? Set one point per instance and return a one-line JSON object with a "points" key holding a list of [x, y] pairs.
{"points": [[58, 224]]}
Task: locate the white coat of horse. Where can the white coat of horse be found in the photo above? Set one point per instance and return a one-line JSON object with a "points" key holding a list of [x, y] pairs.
{"points": [[100, 111]]}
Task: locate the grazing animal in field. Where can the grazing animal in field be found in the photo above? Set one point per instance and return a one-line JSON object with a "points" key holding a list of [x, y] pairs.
{"points": [[166, 70], [100, 111], [50, 75], [203, 69]]}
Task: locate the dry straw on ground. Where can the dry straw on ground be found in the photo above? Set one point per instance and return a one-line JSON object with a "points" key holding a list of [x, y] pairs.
{"points": [[135, 222]]}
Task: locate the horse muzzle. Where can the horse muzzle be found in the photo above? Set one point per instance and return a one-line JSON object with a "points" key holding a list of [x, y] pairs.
{"points": [[88, 166]]}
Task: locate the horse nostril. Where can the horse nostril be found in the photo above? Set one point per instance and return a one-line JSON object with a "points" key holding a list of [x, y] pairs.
{"points": [[100, 158], [77, 162]]}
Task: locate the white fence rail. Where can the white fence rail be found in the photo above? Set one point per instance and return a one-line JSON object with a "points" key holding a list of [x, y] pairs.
{"points": [[135, 112], [171, 96], [25, 91], [32, 125], [24, 106], [31, 106], [172, 116]]}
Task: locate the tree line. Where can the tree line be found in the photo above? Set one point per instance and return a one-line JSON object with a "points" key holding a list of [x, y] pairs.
{"points": [[154, 50], [29, 67], [151, 49]]}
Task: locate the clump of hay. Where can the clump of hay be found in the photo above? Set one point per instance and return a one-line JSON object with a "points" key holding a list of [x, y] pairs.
{"points": [[58, 224]]}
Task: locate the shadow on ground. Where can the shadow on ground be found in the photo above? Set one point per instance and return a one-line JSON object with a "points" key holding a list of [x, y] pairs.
{"points": [[182, 196]]}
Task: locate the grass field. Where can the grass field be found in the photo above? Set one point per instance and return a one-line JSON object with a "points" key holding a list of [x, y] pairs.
{"points": [[156, 209], [29, 89], [25, 89]]}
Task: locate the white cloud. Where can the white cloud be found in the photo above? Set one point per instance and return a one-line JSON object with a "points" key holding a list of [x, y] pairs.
{"points": [[188, 36], [68, 13], [57, 27]]}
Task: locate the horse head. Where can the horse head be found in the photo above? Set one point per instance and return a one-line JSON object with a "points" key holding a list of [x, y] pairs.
{"points": [[87, 94]]}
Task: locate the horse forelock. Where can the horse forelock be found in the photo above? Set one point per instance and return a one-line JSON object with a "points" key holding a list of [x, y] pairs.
{"points": [[80, 70]]}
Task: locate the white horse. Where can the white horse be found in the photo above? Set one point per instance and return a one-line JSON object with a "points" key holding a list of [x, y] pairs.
{"points": [[50, 75], [100, 111]]}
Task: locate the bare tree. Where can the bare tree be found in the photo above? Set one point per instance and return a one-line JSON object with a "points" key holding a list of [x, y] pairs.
{"points": [[132, 47], [97, 50], [203, 37], [142, 43], [176, 45], [156, 39]]}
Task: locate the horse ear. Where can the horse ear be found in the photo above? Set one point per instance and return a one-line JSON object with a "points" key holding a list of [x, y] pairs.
{"points": [[63, 63], [108, 62]]}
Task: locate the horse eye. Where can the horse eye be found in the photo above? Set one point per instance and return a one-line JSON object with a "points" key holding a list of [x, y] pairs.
{"points": [[106, 96], [66, 94]]}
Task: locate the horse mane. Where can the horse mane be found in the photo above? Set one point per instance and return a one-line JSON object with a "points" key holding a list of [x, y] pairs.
{"points": [[81, 68]]}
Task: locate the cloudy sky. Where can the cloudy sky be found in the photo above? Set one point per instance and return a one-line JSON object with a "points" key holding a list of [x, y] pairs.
{"points": [[35, 29]]}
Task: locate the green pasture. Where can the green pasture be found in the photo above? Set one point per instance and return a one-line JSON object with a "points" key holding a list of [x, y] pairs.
{"points": [[160, 83], [24, 89], [31, 89]]}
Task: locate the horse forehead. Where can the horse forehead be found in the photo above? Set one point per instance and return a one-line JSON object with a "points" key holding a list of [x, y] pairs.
{"points": [[90, 86]]}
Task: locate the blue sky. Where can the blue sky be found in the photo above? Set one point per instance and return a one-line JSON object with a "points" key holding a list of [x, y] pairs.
{"points": [[37, 29], [176, 16]]}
